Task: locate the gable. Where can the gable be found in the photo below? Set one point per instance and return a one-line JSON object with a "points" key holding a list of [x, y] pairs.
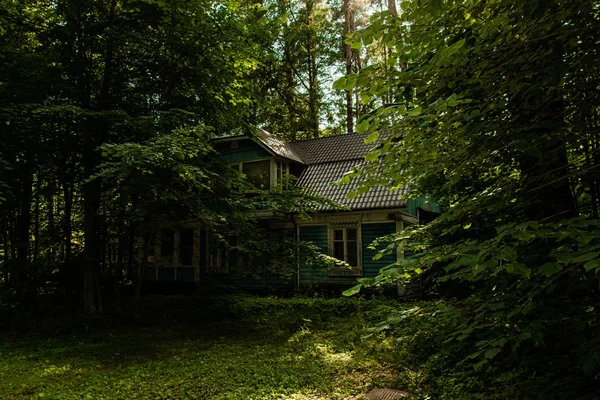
{"points": [[244, 149]]}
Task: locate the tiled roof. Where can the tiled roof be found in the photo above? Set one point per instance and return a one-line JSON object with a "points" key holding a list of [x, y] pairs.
{"points": [[328, 159], [320, 178], [277, 145], [333, 148]]}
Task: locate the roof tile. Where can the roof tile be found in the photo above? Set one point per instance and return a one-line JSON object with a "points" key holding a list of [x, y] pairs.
{"points": [[320, 178]]}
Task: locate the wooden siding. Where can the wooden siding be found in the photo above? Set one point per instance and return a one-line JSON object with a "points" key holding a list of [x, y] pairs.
{"points": [[316, 234], [246, 150], [422, 202], [369, 232]]}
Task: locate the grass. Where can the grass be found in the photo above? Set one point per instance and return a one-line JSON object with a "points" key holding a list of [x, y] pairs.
{"points": [[214, 360]]}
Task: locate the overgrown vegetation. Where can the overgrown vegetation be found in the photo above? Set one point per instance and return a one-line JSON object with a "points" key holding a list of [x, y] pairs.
{"points": [[492, 109], [197, 347]]}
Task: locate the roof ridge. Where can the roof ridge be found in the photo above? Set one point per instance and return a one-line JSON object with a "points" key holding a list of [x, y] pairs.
{"points": [[325, 137], [336, 161]]}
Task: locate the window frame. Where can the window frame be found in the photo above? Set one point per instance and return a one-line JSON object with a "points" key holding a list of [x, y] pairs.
{"points": [[239, 165], [354, 270], [159, 261]]}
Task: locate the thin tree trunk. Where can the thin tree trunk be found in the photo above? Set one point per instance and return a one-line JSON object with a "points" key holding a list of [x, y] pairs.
{"points": [[23, 232], [348, 54], [122, 245], [392, 8], [36, 230]]}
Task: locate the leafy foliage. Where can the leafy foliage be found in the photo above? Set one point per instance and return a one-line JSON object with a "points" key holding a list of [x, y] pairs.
{"points": [[494, 113]]}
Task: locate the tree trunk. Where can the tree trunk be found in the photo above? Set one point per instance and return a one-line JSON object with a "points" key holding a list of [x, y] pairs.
{"points": [[392, 8], [348, 54], [92, 192], [23, 231]]}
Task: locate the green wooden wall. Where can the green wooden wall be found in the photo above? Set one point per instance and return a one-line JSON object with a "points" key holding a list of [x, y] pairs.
{"points": [[247, 150], [369, 232], [422, 202]]}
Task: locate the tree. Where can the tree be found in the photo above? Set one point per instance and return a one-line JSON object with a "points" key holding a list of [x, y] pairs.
{"points": [[306, 52], [495, 116], [77, 74]]}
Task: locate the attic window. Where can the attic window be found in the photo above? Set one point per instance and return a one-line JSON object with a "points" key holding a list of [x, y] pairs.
{"points": [[259, 173], [235, 144]]}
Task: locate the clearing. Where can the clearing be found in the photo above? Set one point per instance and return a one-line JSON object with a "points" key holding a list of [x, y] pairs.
{"points": [[253, 353]]}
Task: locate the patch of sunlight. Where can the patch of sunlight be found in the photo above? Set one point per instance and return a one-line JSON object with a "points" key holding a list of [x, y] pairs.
{"points": [[328, 355], [296, 337], [313, 395], [54, 370]]}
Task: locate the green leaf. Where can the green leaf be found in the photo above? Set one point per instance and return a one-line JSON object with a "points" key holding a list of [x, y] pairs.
{"points": [[415, 111], [585, 257], [372, 156], [507, 253], [519, 269], [351, 195], [353, 290], [455, 47], [372, 137], [362, 126], [491, 353], [592, 264], [350, 82], [551, 268], [339, 83]]}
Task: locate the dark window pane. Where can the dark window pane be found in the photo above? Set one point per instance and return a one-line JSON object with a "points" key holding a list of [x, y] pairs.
{"points": [[338, 234], [150, 274], [352, 254], [351, 234], [167, 242], [259, 173], [186, 246], [166, 274], [185, 274], [338, 250], [186, 238]]}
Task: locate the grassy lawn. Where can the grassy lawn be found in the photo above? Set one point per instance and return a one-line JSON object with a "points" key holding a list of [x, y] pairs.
{"points": [[215, 360]]}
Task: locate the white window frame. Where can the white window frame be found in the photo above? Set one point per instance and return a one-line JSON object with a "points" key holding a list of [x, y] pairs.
{"points": [[355, 270]]}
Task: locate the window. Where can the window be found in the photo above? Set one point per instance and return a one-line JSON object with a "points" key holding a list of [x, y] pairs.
{"points": [[220, 259], [174, 252], [222, 254], [259, 173], [186, 246], [167, 245], [345, 246]]}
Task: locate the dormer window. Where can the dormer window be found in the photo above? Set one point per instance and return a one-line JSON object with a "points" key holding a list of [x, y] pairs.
{"points": [[259, 173]]}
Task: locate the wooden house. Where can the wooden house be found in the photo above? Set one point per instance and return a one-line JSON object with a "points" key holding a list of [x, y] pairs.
{"points": [[187, 253]]}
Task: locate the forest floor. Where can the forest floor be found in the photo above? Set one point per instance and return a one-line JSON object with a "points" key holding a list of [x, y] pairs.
{"points": [[244, 359]]}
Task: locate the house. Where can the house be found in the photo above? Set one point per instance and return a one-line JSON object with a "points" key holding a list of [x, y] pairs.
{"points": [[187, 253]]}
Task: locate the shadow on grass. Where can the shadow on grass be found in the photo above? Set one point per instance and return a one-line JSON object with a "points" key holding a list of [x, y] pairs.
{"points": [[216, 361]]}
